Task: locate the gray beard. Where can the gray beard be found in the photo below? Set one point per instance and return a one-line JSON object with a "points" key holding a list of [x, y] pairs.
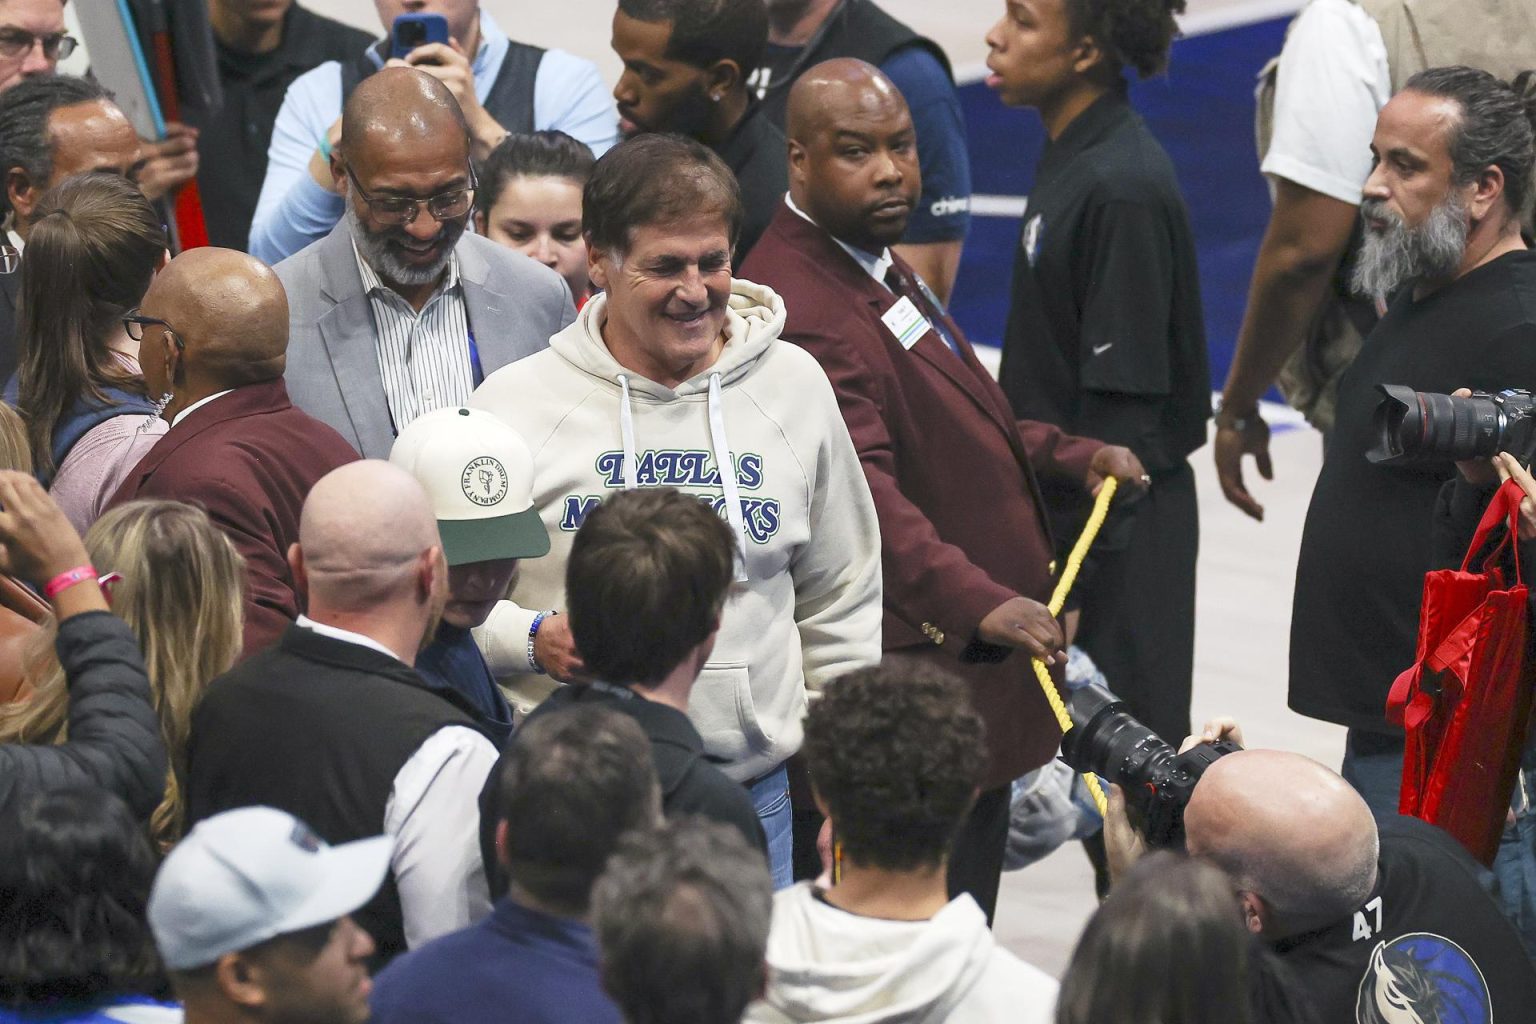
{"points": [[1391, 258], [375, 249]]}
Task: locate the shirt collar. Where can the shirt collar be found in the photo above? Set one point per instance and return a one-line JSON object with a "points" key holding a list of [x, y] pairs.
{"points": [[1100, 117], [14, 238], [345, 636], [198, 405], [372, 281], [875, 266]]}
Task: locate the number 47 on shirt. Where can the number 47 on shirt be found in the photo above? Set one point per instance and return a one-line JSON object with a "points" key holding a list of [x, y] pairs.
{"points": [[1363, 928]]}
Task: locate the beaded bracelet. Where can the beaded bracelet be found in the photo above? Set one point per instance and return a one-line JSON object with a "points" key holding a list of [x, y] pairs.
{"points": [[533, 631], [68, 578]]}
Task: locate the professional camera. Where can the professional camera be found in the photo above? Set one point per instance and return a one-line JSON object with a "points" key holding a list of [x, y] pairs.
{"points": [[1157, 780], [1416, 426]]}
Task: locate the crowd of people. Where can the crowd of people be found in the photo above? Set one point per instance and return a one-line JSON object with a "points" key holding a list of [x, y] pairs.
{"points": [[554, 557]]}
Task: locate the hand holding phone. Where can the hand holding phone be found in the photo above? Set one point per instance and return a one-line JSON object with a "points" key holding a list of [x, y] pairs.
{"points": [[412, 30]]}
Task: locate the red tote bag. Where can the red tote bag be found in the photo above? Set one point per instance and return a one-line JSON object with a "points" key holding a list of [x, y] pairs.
{"points": [[1466, 702]]}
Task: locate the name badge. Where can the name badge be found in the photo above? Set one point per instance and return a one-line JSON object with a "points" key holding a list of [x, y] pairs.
{"points": [[904, 321]]}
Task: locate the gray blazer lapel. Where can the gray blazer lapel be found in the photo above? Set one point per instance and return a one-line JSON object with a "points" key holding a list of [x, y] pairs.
{"points": [[347, 332], [500, 321]]}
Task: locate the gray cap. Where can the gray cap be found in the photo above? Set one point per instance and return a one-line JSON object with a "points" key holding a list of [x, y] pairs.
{"points": [[249, 875]]}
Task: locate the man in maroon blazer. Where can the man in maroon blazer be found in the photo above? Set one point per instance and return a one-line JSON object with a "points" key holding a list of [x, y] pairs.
{"points": [[213, 340], [966, 550]]}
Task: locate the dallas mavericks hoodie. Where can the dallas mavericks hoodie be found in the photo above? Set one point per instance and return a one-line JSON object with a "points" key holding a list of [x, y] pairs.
{"points": [[808, 608], [826, 964]]}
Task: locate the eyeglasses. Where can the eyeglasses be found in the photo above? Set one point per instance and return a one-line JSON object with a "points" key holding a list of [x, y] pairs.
{"points": [[444, 206], [16, 42], [134, 323]]}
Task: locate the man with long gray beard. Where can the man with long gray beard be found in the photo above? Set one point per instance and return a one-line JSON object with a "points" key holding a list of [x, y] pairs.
{"points": [[1454, 157], [398, 301]]}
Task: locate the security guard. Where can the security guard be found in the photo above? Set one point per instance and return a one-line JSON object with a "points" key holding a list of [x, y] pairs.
{"points": [[1104, 335]]}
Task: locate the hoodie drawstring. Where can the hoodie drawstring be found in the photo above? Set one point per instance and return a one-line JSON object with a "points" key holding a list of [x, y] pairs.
{"points": [[723, 462], [627, 432], [727, 467]]}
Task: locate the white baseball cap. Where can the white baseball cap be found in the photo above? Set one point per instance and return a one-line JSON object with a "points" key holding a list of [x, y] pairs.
{"points": [[252, 874], [479, 475]]}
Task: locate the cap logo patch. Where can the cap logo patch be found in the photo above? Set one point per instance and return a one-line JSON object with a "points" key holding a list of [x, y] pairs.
{"points": [[305, 839], [484, 481]]}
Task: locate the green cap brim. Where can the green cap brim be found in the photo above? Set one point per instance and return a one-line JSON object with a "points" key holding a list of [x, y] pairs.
{"points": [[519, 535]]}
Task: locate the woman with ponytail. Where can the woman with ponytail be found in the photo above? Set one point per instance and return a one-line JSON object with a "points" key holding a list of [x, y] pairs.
{"points": [[94, 245], [1105, 334]]}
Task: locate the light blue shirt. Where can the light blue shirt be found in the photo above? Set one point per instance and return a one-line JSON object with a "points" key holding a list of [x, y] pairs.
{"points": [[293, 211]]}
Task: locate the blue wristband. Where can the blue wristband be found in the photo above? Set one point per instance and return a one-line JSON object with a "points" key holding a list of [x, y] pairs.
{"points": [[533, 631]]}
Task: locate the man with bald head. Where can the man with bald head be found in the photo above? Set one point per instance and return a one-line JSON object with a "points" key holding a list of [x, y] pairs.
{"points": [[398, 311], [1379, 928], [965, 545], [213, 332], [335, 726]]}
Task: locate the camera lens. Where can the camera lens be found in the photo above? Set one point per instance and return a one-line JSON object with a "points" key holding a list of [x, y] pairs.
{"points": [[412, 33], [1104, 738], [1420, 425]]}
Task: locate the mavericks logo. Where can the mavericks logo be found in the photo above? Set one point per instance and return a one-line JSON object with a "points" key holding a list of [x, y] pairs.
{"points": [[1422, 978], [484, 481]]}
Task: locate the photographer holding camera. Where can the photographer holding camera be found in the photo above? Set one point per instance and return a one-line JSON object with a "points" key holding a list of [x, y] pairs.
{"points": [[1376, 924], [1454, 163]]}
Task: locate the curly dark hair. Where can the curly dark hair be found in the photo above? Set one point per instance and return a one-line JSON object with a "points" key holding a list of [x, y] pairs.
{"points": [[75, 874], [1131, 33], [897, 753]]}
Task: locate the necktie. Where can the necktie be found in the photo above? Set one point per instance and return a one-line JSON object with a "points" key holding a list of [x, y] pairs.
{"points": [[907, 286]]}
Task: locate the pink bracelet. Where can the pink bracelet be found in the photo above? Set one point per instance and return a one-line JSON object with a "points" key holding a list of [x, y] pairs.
{"points": [[68, 578]]}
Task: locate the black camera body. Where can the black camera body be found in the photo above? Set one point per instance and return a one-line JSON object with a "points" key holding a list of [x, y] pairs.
{"points": [[1157, 780], [1421, 426]]}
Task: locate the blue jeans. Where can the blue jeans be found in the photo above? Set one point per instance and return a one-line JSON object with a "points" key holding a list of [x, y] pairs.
{"points": [[770, 798], [1373, 765]]}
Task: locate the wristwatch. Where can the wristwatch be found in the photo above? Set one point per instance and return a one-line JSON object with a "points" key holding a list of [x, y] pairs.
{"points": [[1225, 418]]}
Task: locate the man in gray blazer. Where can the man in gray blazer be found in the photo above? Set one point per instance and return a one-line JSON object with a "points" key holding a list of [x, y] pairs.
{"points": [[398, 311]]}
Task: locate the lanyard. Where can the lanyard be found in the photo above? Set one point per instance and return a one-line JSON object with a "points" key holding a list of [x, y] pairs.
{"points": [[474, 359]]}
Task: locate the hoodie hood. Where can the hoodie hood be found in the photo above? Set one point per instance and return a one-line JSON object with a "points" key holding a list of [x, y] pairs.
{"points": [[753, 320], [754, 317], [830, 965]]}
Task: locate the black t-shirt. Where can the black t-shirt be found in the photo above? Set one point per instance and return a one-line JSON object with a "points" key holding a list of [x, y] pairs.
{"points": [[1368, 537], [232, 149], [1105, 334], [1429, 945], [758, 155]]}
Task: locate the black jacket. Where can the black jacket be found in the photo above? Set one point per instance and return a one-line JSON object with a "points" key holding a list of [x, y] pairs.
{"points": [[690, 784], [114, 733]]}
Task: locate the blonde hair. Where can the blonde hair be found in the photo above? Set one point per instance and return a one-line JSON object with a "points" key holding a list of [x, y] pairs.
{"points": [[15, 449], [182, 592]]}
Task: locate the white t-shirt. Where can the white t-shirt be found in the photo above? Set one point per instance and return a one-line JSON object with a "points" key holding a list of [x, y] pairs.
{"points": [[1332, 82]]}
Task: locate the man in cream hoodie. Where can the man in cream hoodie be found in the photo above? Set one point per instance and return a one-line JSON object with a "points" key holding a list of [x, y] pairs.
{"points": [[895, 756], [673, 373]]}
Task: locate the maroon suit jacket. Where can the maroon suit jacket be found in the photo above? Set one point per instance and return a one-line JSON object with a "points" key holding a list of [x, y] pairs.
{"points": [[249, 459], [953, 475]]}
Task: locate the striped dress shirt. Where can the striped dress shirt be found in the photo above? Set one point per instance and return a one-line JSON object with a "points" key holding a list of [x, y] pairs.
{"points": [[424, 358]]}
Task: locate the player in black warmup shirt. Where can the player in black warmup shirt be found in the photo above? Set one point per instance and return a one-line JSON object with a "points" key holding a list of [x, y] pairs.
{"points": [[1105, 337]]}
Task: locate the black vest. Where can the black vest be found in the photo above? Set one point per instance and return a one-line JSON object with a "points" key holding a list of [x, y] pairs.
{"points": [[319, 728], [510, 100], [857, 28]]}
